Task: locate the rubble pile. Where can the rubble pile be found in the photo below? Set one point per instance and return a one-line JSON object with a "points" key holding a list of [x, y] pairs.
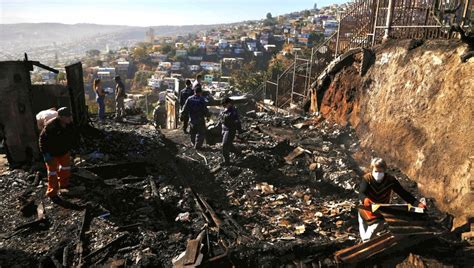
{"points": [[144, 197]]}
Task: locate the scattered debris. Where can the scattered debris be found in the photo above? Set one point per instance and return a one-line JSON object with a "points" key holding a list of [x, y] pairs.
{"points": [[154, 202]]}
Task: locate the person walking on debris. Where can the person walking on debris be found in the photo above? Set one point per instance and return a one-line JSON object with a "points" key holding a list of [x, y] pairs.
{"points": [[55, 142], [197, 82], [376, 188], [119, 99], [195, 108], [184, 94], [230, 125], [43, 117], [100, 98]]}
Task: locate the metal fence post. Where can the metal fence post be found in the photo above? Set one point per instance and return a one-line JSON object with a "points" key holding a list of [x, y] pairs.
{"points": [[389, 19], [276, 94]]}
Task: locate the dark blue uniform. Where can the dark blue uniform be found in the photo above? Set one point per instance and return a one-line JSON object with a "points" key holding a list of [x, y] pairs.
{"points": [[195, 108], [184, 94], [230, 125]]}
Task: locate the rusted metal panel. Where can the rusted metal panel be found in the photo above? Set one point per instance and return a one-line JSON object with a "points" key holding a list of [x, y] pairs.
{"points": [[75, 82], [405, 228], [366, 250], [17, 119]]}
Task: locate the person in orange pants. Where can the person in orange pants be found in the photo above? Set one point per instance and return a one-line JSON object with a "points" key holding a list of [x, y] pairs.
{"points": [[55, 142], [59, 172]]}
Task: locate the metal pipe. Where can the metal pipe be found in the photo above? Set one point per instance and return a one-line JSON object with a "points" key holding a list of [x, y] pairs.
{"points": [[276, 95], [464, 15], [293, 79], [412, 26], [389, 19], [374, 32], [310, 71], [337, 37]]}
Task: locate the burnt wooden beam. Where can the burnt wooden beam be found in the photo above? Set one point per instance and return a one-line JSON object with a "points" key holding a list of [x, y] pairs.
{"points": [[87, 259]]}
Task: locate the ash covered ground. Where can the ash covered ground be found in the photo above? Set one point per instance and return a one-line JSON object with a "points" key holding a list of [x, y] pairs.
{"points": [[139, 194]]}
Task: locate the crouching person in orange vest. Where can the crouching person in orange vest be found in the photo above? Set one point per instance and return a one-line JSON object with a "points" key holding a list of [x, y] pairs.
{"points": [[55, 141], [376, 188]]}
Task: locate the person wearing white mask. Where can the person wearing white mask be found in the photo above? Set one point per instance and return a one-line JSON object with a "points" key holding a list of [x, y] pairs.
{"points": [[376, 187]]}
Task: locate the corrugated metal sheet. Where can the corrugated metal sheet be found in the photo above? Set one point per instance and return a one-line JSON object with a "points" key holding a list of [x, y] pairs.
{"points": [[405, 229]]}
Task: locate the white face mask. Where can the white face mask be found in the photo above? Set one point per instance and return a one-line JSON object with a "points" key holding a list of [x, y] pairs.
{"points": [[378, 176]]}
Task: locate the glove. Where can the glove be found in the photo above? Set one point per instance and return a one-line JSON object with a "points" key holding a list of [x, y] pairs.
{"points": [[47, 157], [367, 202]]}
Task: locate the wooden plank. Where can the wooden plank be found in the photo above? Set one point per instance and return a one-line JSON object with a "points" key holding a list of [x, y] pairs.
{"points": [[192, 251]]}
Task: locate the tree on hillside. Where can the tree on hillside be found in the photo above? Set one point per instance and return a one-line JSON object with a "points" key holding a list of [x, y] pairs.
{"points": [[316, 38], [193, 50], [247, 78], [270, 20], [141, 79], [166, 49], [140, 54], [307, 13], [277, 65], [92, 53]]}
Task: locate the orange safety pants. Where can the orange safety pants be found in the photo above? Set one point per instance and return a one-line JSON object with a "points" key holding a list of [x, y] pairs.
{"points": [[58, 178]]}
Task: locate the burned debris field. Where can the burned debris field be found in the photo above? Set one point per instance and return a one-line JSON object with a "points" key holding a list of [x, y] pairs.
{"points": [[144, 197], [339, 136]]}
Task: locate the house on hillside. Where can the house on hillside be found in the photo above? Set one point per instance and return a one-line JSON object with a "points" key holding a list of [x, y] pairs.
{"points": [[181, 53], [122, 68], [211, 66]]}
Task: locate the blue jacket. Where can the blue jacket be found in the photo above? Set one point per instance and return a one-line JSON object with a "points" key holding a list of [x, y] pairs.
{"points": [[230, 119], [184, 94], [196, 109]]}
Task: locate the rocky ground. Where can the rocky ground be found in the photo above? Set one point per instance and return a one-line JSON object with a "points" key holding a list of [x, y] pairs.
{"points": [[138, 195]]}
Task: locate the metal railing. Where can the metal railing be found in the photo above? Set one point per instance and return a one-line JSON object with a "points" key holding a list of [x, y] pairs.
{"points": [[366, 24]]}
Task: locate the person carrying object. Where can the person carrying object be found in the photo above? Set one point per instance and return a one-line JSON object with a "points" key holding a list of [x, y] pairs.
{"points": [[377, 187], [43, 117], [55, 142]]}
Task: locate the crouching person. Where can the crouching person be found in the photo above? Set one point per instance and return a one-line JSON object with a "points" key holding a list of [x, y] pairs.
{"points": [[230, 125], [376, 188], [55, 141]]}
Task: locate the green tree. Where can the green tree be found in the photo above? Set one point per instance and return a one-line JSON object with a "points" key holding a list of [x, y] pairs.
{"points": [[307, 13], [248, 78], [140, 80], [166, 49], [61, 77], [269, 21], [140, 54], [193, 50], [316, 38], [92, 53]]}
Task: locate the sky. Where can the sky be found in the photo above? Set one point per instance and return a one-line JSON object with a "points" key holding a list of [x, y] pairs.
{"points": [[148, 12]]}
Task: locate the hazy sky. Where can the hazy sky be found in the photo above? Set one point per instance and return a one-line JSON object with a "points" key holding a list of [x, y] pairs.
{"points": [[148, 12]]}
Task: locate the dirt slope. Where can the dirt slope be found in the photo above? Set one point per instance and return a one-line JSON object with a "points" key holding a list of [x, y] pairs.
{"points": [[416, 109]]}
